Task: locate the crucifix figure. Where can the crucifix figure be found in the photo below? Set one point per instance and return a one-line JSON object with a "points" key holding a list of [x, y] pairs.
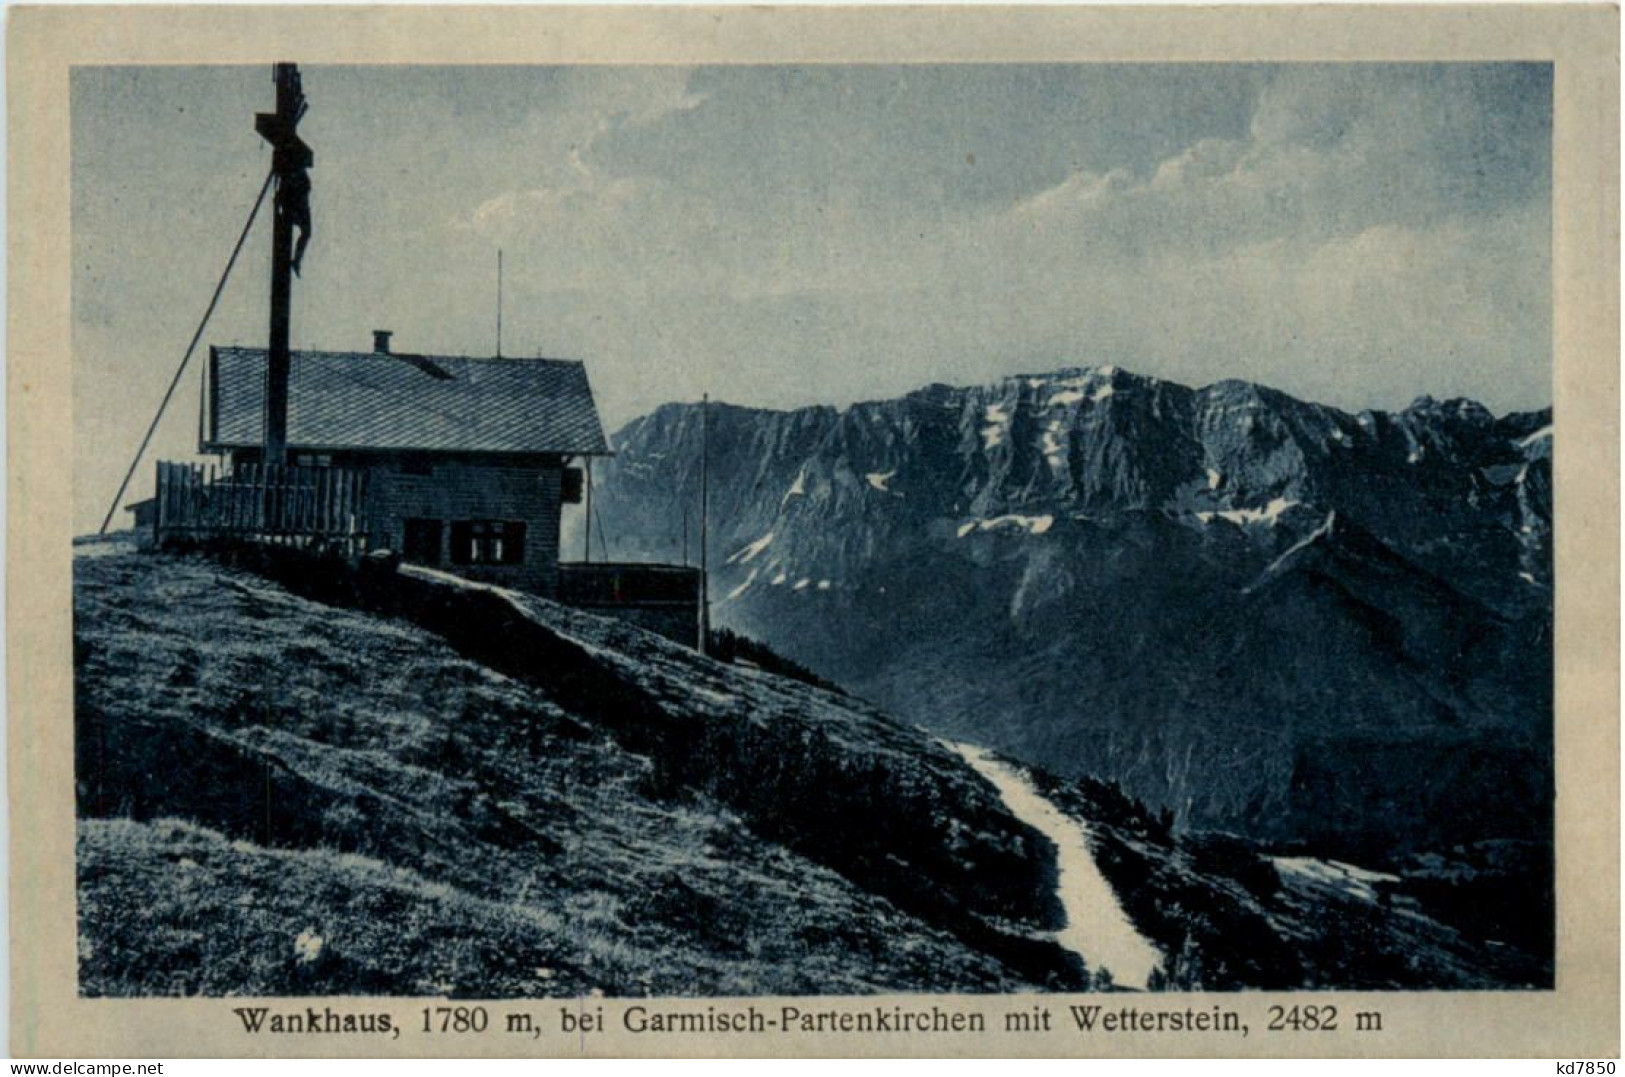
{"points": [[291, 160]]}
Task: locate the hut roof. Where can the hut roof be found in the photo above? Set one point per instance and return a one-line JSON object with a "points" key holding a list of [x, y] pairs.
{"points": [[389, 400]]}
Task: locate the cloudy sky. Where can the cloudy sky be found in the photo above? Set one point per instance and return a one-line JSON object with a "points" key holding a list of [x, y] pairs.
{"points": [[1354, 234]]}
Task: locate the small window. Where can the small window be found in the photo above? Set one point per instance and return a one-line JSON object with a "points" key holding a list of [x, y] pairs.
{"points": [[487, 542], [312, 459], [422, 542]]}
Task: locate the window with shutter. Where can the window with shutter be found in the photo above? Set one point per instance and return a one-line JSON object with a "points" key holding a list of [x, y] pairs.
{"points": [[488, 542]]}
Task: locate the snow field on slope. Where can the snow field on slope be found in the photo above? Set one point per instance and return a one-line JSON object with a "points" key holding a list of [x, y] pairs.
{"points": [[1096, 929]]}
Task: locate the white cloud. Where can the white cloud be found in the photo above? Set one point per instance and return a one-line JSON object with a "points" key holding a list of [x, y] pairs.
{"points": [[1323, 217], [594, 103], [569, 199]]}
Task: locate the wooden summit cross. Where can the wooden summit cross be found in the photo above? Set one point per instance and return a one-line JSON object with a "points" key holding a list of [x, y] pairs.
{"points": [[290, 161]]}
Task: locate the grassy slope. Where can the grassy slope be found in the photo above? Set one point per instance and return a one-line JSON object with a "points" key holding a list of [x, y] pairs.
{"points": [[462, 794], [442, 827]]}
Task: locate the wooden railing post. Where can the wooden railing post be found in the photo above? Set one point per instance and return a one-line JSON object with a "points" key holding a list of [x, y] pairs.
{"points": [[262, 503], [364, 510], [158, 505]]}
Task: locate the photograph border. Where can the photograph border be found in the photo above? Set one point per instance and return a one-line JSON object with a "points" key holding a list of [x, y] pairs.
{"points": [[1579, 1019]]}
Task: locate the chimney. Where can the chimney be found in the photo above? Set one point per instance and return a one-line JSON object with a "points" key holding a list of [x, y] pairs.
{"points": [[380, 341]]}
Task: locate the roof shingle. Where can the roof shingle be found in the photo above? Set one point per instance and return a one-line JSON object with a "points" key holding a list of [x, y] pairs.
{"points": [[381, 400]]}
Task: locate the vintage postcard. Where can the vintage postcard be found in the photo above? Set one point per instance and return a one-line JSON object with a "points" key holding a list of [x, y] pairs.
{"points": [[710, 531]]}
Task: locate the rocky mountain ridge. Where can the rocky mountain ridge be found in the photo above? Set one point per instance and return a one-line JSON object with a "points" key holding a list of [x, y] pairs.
{"points": [[1258, 613]]}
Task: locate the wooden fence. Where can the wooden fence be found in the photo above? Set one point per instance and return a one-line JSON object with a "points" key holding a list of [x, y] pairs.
{"points": [[290, 506]]}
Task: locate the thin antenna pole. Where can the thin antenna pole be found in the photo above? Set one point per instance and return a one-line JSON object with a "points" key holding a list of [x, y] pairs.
{"points": [[202, 405], [705, 513], [603, 540], [586, 545], [499, 302]]}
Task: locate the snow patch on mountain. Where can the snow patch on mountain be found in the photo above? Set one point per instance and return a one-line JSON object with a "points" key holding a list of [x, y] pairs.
{"points": [[746, 553], [1068, 397], [996, 426], [1054, 452], [1070, 391], [1321, 532], [1270, 514], [742, 588], [1033, 525], [797, 488], [1355, 881]]}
